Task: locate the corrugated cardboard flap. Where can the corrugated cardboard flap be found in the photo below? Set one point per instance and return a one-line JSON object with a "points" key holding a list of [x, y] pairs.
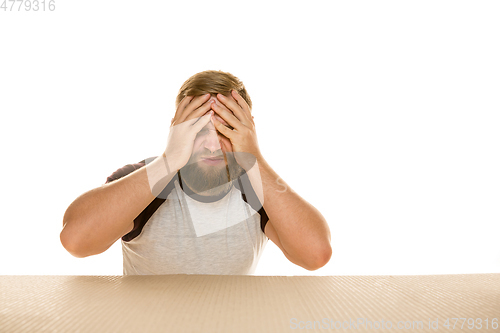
{"points": [[233, 303]]}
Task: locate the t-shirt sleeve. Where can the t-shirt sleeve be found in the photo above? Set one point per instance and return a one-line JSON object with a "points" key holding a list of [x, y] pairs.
{"points": [[250, 197], [144, 216], [125, 170]]}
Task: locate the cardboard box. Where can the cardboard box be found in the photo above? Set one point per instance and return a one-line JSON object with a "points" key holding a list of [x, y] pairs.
{"points": [[234, 303]]}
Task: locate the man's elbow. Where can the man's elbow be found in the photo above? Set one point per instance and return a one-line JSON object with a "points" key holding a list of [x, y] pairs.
{"points": [[74, 246], [70, 245], [322, 259]]}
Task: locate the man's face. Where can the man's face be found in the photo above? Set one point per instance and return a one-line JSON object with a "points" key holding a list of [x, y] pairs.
{"points": [[206, 169]]}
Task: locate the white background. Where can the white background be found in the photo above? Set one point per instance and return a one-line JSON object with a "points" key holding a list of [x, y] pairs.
{"points": [[382, 114]]}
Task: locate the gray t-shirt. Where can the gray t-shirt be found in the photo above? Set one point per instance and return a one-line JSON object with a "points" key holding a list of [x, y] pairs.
{"points": [[181, 232]]}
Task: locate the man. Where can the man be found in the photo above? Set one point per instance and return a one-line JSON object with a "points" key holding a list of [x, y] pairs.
{"points": [[207, 205]]}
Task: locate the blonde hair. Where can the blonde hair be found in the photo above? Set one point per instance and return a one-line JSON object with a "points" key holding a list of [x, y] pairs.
{"points": [[212, 82]]}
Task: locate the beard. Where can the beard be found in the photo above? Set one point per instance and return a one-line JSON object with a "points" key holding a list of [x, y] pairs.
{"points": [[210, 180]]}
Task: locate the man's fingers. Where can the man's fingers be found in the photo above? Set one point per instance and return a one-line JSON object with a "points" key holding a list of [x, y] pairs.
{"points": [[202, 121], [236, 109], [199, 112], [243, 104], [223, 129], [193, 105], [184, 102], [241, 101], [227, 115]]}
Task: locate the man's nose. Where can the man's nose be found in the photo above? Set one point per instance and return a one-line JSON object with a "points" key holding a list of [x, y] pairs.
{"points": [[212, 141]]}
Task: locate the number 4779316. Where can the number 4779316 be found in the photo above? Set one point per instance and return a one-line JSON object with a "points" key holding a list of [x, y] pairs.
{"points": [[28, 5]]}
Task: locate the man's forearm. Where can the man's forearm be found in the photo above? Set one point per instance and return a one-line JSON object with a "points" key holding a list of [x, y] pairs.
{"points": [[97, 218], [302, 230]]}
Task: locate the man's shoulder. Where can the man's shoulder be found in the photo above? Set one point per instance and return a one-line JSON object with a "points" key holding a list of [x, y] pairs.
{"points": [[126, 169]]}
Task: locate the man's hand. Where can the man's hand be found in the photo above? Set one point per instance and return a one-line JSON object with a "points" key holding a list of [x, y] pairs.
{"points": [[191, 116], [236, 112]]}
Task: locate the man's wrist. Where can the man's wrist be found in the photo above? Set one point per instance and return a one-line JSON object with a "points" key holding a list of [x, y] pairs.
{"points": [[158, 175], [170, 163], [164, 158]]}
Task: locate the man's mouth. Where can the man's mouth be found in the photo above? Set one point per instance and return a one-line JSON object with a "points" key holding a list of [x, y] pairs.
{"points": [[212, 160]]}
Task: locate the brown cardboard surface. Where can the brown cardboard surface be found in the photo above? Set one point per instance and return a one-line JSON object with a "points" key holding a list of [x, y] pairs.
{"points": [[233, 303]]}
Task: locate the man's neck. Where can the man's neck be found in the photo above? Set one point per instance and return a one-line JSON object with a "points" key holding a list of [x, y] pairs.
{"points": [[217, 191]]}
